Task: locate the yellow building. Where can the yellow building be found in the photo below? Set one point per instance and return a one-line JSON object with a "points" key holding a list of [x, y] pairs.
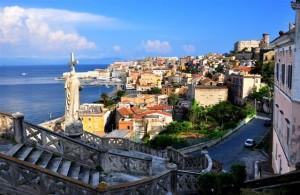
{"points": [[94, 118], [148, 80], [207, 95], [169, 90]]}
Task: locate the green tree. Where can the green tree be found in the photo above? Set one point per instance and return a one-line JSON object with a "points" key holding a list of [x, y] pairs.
{"points": [[175, 127], [173, 99], [266, 71], [104, 98], [120, 93], [197, 114], [264, 91], [154, 90]]}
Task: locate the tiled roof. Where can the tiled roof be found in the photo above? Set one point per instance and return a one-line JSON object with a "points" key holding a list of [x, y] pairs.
{"points": [[160, 107], [125, 111], [139, 116]]}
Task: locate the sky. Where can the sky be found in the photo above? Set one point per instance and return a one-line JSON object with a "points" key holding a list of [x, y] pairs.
{"points": [[44, 32]]}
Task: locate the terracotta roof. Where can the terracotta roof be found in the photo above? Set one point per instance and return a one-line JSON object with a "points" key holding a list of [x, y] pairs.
{"points": [[160, 107], [136, 110], [139, 116], [243, 68], [125, 111]]}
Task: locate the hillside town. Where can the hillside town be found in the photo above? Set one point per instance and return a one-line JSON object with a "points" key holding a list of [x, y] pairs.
{"points": [[196, 124], [155, 90]]}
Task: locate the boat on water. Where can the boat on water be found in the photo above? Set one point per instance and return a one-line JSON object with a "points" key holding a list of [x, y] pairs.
{"points": [[23, 73]]}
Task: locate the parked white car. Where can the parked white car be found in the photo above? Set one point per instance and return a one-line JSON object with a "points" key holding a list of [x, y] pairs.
{"points": [[249, 143]]}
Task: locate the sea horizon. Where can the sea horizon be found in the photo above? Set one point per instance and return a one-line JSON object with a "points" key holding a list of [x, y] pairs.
{"points": [[37, 94]]}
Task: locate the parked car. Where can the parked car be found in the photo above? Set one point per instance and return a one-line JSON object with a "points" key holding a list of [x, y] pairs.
{"points": [[249, 143]]}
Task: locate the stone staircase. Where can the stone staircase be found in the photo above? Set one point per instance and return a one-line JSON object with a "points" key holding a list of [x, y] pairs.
{"points": [[55, 163]]}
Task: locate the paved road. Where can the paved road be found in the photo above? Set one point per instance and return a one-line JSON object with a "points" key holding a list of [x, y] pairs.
{"points": [[232, 149]]}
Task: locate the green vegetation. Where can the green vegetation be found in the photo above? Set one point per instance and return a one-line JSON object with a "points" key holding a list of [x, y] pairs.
{"points": [[222, 183], [266, 71], [173, 99], [107, 101], [154, 90], [120, 93], [263, 92], [170, 137], [204, 123], [163, 141]]}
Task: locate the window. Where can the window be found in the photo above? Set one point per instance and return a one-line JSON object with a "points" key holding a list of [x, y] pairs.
{"points": [[287, 130], [276, 151], [277, 71], [283, 73], [289, 79], [287, 134]]}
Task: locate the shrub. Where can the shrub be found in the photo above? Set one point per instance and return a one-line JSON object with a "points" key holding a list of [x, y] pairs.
{"points": [[163, 141], [175, 127], [222, 183], [239, 174], [230, 125], [207, 184]]}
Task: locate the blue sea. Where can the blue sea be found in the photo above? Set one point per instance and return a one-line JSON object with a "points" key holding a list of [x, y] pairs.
{"points": [[37, 94]]}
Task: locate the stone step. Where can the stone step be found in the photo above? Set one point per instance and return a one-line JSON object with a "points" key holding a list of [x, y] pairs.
{"points": [[34, 156], [64, 167], [14, 149], [23, 152], [74, 170], [84, 174], [94, 178], [44, 159], [54, 163]]}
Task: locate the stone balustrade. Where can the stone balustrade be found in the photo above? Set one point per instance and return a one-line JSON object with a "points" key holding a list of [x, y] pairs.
{"points": [[19, 177], [87, 154], [183, 161], [62, 144], [129, 164]]}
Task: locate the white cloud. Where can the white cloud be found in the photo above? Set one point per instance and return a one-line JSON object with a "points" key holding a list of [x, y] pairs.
{"points": [[188, 48], [46, 30], [117, 48], [157, 46]]}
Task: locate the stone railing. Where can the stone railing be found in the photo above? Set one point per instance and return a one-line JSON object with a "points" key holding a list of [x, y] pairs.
{"points": [[119, 143], [186, 182], [87, 154], [20, 177], [277, 181], [158, 185], [59, 143], [25, 174], [183, 161], [128, 164]]}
